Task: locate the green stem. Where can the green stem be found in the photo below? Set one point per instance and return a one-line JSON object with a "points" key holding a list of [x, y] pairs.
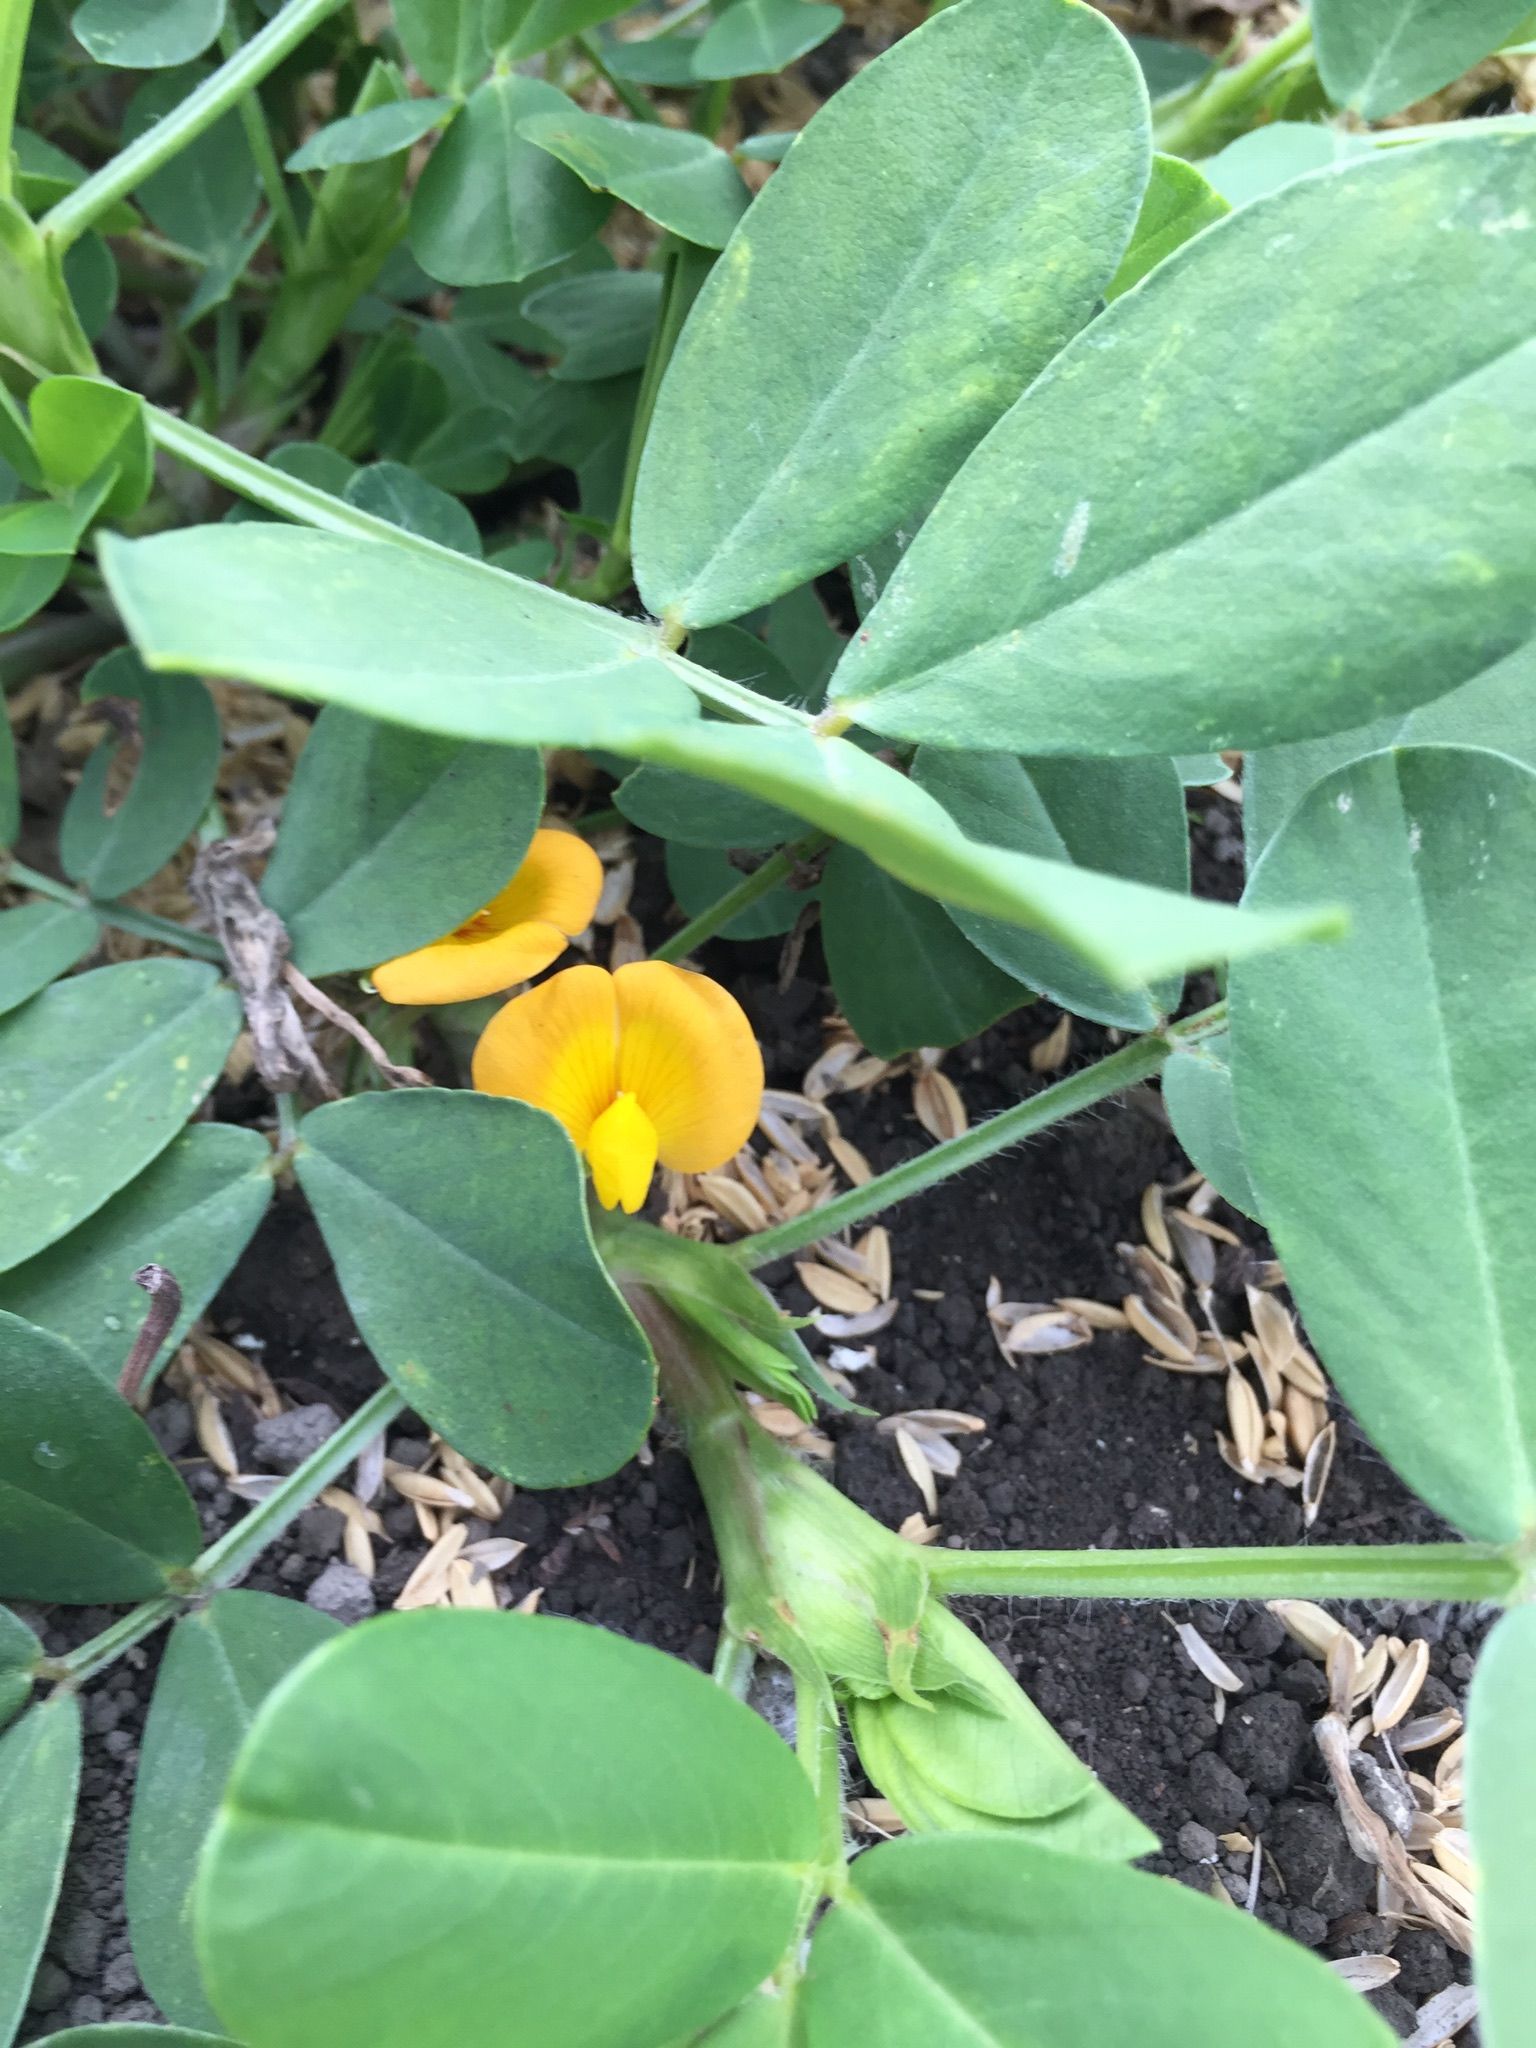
{"points": [[77, 210], [734, 901], [123, 916], [54, 642], [637, 103], [287, 496], [15, 16], [734, 1663], [1198, 127], [285, 223], [1325, 1571], [711, 108], [1123, 1069], [228, 1560], [686, 269], [818, 1747]]}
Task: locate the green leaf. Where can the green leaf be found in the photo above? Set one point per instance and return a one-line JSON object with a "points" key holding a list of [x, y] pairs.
{"points": [[110, 851], [366, 138], [492, 207], [766, 2021], [16, 449], [1048, 605], [390, 838], [193, 1211], [396, 493], [1496, 709], [433, 643], [20, 1651], [541, 1804], [39, 942], [699, 876], [938, 292], [526, 29], [39, 1780], [89, 1509], [1197, 1093], [975, 1942], [1127, 932], [601, 323], [147, 35], [445, 40], [90, 275], [1121, 817], [459, 1228], [751, 37], [81, 426], [1386, 1120], [1501, 1815], [205, 196], [44, 173], [51, 526], [1377, 56], [657, 60], [27, 585], [903, 973], [219, 1665], [1166, 66], [1179, 203], [138, 2034], [678, 179], [100, 1073], [1266, 158]]}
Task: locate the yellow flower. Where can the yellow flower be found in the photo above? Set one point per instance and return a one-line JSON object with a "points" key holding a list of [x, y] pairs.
{"points": [[651, 1063], [519, 933]]}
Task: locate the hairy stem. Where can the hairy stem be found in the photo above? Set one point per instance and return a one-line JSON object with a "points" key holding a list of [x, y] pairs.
{"points": [[1324, 1571], [286, 495], [1200, 126], [78, 210], [1133, 1063], [746, 892], [228, 1560]]}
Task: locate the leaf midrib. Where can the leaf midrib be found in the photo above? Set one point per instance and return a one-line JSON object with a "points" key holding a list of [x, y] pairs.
{"points": [[499, 1281], [290, 1819], [875, 334], [910, 681]]}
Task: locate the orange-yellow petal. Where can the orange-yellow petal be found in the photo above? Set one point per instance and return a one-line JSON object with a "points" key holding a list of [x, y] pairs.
{"points": [[621, 1149], [558, 883], [556, 1047], [687, 1055], [469, 963]]}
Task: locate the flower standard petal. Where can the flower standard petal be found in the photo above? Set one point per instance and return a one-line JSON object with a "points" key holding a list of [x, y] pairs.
{"points": [[558, 882], [688, 1056], [470, 963], [555, 1046]]}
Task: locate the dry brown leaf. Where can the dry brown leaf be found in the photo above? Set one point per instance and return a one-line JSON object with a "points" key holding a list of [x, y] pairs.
{"points": [[836, 1291], [1401, 1688], [1047, 1055], [938, 1107], [919, 1470], [1154, 1227]]}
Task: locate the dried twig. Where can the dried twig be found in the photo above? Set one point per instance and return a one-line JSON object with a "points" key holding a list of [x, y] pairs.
{"points": [[164, 1307], [256, 946], [397, 1077]]}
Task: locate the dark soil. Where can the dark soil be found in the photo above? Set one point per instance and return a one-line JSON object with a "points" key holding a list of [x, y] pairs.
{"points": [[1090, 1448]]}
